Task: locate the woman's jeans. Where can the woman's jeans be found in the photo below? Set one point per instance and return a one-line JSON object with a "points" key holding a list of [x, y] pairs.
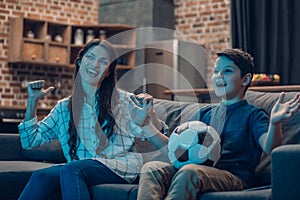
{"points": [[72, 180]]}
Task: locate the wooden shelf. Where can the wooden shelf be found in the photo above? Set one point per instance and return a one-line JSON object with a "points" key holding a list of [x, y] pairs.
{"points": [[124, 67], [52, 44], [33, 40], [124, 47], [48, 64], [206, 91]]}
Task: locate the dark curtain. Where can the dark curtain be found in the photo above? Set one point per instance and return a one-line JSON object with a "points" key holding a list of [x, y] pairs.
{"points": [[270, 31]]}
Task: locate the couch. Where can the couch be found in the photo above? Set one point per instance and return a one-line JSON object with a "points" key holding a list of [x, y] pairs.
{"points": [[277, 176]]}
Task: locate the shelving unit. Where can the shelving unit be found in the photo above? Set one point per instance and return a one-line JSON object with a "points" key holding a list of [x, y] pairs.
{"points": [[41, 42]]}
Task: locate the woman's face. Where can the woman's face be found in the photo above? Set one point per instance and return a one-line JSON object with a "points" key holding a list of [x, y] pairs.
{"points": [[94, 65]]}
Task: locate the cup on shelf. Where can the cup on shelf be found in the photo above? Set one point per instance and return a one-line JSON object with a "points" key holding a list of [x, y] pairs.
{"points": [[30, 34], [78, 37], [102, 34], [48, 37], [58, 38], [90, 36]]}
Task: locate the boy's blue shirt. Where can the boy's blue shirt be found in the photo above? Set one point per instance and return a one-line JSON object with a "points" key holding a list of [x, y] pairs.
{"points": [[243, 124]]}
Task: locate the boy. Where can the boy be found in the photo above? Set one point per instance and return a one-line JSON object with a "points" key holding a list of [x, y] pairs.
{"points": [[244, 130]]}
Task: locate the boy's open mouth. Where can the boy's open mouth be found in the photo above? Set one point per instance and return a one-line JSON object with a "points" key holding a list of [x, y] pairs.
{"points": [[220, 84]]}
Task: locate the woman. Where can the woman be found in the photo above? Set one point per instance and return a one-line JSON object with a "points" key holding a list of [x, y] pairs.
{"points": [[94, 126]]}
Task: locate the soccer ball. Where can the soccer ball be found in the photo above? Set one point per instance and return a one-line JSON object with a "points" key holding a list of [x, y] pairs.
{"points": [[194, 142]]}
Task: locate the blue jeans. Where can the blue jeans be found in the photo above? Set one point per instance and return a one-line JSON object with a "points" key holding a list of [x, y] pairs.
{"points": [[72, 180]]}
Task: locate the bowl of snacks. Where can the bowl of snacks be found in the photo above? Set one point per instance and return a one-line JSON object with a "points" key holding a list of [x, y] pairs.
{"points": [[265, 79]]}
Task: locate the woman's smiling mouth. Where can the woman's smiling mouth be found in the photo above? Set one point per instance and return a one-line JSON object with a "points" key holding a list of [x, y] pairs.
{"points": [[92, 72]]}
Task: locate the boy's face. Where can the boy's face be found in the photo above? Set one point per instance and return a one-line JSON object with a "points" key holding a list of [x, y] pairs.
{"points": [[94, 65], [226, 79]]}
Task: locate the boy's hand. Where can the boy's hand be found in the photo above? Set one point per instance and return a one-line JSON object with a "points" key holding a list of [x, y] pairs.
{"points": [[285, 110], [36, 89]]}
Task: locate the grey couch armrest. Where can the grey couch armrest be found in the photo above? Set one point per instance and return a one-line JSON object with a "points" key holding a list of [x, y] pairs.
{"points": [[286, 172], [10, 147]]}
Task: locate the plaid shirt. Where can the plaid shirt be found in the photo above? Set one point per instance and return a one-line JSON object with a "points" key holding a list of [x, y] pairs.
{"points": [[118, 156]]}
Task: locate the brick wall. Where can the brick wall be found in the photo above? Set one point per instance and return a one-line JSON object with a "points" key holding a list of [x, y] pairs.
{"points": [[207, 22], [12, 76]]}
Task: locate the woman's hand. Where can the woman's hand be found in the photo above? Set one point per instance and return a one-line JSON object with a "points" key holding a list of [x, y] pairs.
{"points": [[140, 107], [285, 110], [36, 89]]}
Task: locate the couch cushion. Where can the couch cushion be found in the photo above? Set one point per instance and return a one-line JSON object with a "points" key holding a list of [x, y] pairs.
{"points": [[286, 173], [239, 195], [114, 191], [129, 192], [10, 147], [50, 152], [175, 113], [14, 176]]}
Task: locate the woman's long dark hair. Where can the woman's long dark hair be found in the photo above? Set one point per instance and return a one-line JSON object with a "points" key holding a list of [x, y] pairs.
{"points": [[103, 96]]}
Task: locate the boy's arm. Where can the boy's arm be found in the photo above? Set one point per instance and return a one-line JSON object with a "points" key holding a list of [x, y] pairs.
{"points": [[272, 139], [268, 141], [158, 139]]}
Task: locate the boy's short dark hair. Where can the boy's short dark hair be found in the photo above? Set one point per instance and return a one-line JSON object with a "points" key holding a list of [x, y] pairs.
{"points": [[242, 59]]}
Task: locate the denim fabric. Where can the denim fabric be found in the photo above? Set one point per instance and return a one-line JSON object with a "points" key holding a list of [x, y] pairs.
{"points": [[72, 180]]}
